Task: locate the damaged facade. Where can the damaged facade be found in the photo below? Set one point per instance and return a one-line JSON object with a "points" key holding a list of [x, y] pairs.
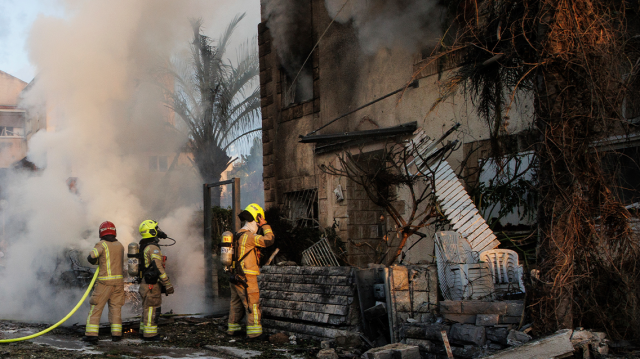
{"points": [[341, 75]]}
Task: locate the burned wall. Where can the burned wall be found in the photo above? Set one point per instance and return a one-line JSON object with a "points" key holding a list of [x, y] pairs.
{"points": [[346, 76]]}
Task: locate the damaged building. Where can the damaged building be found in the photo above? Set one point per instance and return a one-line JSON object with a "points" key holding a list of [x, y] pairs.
{"points": [[309, 118]]}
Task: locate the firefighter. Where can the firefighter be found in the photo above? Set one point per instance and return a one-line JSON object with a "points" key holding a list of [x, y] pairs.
{"points": [[108, 254], [245, 295], [154, 279]]}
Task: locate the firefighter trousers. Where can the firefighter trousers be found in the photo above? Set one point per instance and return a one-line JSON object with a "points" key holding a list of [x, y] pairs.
{"points": [[151, 302], [245, 302], [103, 294]]}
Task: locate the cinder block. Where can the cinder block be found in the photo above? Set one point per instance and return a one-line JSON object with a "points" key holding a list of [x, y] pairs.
{"points": [[393, 351], [504, 319], [468, 334], [451, 307], [461, 318], [403, 300], [487, 319], [480, 307], [400, 278], [515, 308], [423, 344], [421, 302], [498, 335]]}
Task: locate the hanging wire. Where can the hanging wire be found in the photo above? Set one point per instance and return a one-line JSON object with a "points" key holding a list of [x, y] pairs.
{"points": [[316, 45]]}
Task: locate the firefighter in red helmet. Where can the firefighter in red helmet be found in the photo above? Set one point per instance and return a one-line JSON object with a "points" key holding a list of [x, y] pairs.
{"points": [[109, 288]]}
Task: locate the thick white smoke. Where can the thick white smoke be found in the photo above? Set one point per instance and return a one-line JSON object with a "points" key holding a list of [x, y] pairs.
{"points": [[412, 24], [97, 73]]}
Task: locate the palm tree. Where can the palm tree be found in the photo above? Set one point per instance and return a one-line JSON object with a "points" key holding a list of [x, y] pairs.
{"points": [[217, 100]]}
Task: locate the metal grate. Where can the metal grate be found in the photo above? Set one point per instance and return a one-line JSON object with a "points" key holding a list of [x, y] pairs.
{"points": [[301, 208], [319, 255]]}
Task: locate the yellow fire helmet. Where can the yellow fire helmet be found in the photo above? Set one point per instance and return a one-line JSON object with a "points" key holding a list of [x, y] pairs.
{"points": [[255, 210], [148, 228]]}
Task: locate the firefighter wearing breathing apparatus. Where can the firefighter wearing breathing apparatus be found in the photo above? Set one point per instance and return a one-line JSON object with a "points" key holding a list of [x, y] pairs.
{"points": [[240, 256], [109, 288], [154, 279]]}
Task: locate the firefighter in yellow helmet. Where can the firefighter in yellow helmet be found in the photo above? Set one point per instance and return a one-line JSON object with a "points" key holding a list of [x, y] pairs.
{"points": [[109, 289], [154, 279], [245, 295]]}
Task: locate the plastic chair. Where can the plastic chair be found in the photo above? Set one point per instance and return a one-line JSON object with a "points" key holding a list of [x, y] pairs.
{"points": [[505, 269]]}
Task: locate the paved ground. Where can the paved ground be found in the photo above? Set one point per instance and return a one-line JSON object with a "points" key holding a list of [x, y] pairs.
{"points": [[183, 338]]}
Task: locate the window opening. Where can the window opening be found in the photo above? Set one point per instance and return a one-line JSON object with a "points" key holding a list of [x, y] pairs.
{"points": [[301, 208]]}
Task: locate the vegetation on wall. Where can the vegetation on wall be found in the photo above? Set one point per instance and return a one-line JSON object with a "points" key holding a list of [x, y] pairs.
{"points": [[579, 61]]}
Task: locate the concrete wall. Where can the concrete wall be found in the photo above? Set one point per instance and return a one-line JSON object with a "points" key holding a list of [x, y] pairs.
{"points": [[345, 78]]}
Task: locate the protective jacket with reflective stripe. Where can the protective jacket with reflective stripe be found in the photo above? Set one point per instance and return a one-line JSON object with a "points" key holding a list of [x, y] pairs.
{"points": [[152, 253], [110, 256], [248, 241]]}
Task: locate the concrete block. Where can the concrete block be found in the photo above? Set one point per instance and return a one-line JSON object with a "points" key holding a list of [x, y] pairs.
{"points": [[515, 308], [393, 351], [348, 341], [517, 338], [421, 302], [467, 334], [451, 307], [461, 318], [509, 320], [425, 331], [497, 335], [423, 344], [400, 278], [327, 354], [558, 344], [480, 307], [466, 352], [487, 319]]}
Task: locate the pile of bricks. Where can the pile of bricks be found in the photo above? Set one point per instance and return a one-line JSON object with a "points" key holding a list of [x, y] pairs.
{"points": [[310, 302], [478, 328]]}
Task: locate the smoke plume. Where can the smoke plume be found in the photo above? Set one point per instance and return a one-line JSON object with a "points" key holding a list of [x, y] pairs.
{"points": [[97, 83], [412, 24]]}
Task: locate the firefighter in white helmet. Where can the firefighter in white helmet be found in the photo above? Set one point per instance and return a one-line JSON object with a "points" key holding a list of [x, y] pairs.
{"points": [[245, 295], [155, 280], [109, 289]]}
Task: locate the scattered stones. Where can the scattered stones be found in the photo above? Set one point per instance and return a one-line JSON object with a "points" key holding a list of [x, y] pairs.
{"points": [[497, 334], [327, 354], [327, 344], [393, 351], [517, 338], [468, 334], [279, 338]]}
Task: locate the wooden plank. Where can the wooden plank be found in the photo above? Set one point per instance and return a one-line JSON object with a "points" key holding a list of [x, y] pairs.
{"points": [[306, 279], [306, 306], [446, 186], [482, 237], [480, 231], [307, 329], [456, 205], [472, 225], [307, 297], [491, 245], [323, 318], [461, 212]]}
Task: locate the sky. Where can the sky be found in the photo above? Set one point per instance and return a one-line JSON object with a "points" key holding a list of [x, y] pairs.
{"points": [[17, 17]]}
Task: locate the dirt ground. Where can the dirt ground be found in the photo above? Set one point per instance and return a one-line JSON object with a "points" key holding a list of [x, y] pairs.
{"points": [[183, 338]]}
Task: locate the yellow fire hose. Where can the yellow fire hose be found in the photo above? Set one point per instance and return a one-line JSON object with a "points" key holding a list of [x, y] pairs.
{"points": [[95, 276]]}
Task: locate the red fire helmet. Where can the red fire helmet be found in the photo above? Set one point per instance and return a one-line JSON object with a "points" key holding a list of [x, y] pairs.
{"points": [[107, 228]]}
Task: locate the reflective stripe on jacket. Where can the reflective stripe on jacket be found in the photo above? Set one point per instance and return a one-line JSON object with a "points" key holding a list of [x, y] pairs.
{"points": [[248, 242], [110, 259], [153, 253]]}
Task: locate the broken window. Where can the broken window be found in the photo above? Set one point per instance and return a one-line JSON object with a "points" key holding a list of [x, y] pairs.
{"points": [[296, 45], [301, 208]]}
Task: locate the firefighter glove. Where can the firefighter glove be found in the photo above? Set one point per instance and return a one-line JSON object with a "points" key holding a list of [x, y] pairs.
{"points": [[170, 290], [92, 260]]}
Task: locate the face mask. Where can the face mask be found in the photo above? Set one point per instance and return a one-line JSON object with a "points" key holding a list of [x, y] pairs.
{"points": [[251, 227]]}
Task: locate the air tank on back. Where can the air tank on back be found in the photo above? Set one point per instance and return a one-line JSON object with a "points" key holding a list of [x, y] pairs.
{"points": [[133, 263], [226, 249]]}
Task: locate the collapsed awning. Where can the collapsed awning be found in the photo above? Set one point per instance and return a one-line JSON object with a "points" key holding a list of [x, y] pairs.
{"points": [[332, 142]]}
